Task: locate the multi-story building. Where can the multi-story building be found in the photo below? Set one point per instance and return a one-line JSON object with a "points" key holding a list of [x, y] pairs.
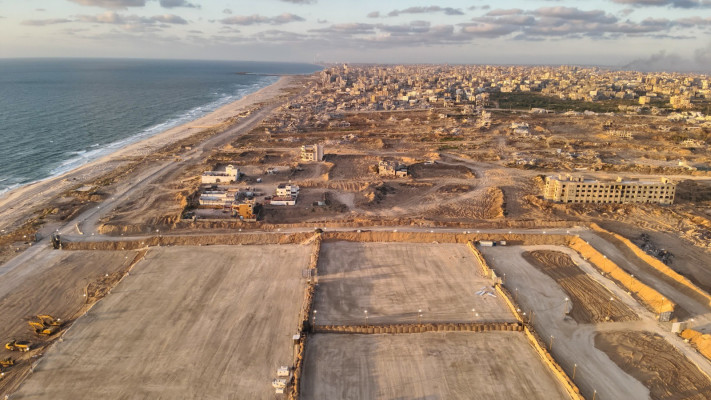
{"points": [[312, 152], [244, 210], [577, 189], [287, 190]]}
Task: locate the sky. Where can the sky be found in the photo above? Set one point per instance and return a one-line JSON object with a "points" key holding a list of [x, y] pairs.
{"points": [[640, 34]]}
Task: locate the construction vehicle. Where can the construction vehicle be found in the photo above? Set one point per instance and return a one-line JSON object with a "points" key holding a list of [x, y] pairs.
{"points": [[7, 362], [279, 385], [56, 240], [14, 345], [283, 372], [46, 325], [49, 320]]}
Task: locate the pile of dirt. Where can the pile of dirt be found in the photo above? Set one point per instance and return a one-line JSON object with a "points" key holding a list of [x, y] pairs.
{"points": [[590, 300], [702, 342], [657, 364]]}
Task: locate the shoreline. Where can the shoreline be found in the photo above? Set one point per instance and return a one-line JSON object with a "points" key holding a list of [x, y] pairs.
{"points": [[21, 202]]}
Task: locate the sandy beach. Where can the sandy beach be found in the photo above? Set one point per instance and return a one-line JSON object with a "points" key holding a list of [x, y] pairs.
{"points": [[19, 204]]}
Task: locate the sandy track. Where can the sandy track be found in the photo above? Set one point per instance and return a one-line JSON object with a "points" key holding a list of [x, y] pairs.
{"points": [[590, 301], [188, 322], [491, 366], [656, 363], [395, 280]]}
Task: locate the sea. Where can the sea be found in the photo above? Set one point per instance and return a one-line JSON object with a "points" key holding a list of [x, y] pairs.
{"points": [[58, 114]]}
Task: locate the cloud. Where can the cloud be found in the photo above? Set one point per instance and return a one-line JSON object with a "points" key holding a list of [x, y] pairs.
{"points": [[573, 23], [259, 19], [132, 21], [374, 14], [299, 1], [670, 3], [499, 12], [227, 11], [575, 14], [177, 3], [347, 29], [45, 22], [124, 4], [423, 10], [279, 36], [111, 4]]}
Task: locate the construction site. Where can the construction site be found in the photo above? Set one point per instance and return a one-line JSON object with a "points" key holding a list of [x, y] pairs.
{"points": [[297, 250]]}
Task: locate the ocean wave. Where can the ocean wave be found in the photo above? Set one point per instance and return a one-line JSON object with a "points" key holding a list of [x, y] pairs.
{"points": [[77, 158], [82, 157]]}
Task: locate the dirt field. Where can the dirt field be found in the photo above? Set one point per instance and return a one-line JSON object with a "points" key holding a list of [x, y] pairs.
{"points": [[188, 322], [492, 365], [392, 281], [53, 283], [589, 300], [657, 364]]}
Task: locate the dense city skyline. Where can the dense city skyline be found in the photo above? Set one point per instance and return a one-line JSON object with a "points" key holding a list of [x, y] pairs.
{"points": [[638, 34]]}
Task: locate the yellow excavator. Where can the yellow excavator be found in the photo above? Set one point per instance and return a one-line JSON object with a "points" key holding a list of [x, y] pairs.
{"points": [[14, 345], [7, 362], [49, 320], [46, 325]]}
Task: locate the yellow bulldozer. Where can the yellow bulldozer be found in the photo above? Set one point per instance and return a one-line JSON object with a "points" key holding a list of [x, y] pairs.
{"points": [[7, 362], [14, 345], [46, 325]]}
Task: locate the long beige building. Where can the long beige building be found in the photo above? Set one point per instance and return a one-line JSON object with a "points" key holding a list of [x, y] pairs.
{"points": [[578, 189]]}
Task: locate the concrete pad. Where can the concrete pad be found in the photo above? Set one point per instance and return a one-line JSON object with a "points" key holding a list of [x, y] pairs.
{"points": [[452, 365], [189, 322], [392, 281]]}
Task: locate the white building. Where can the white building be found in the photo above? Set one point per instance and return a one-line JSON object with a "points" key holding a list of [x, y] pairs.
{"points": [[229, 175], [287, 190]]}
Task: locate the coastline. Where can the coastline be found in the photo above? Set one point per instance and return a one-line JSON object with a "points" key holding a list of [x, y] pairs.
{"points": [[18, 204]]}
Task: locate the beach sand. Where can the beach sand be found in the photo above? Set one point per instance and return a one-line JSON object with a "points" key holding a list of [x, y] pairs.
{"points": [[19, 204]]}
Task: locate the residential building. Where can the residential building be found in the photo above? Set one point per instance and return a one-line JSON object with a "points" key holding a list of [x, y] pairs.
{"points": [[392, 169], [244, 210], [284, 190], [312, 152], [577, 189]]}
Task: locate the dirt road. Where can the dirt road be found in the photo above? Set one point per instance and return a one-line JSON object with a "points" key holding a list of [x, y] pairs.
{"points": [[573, 342]]}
